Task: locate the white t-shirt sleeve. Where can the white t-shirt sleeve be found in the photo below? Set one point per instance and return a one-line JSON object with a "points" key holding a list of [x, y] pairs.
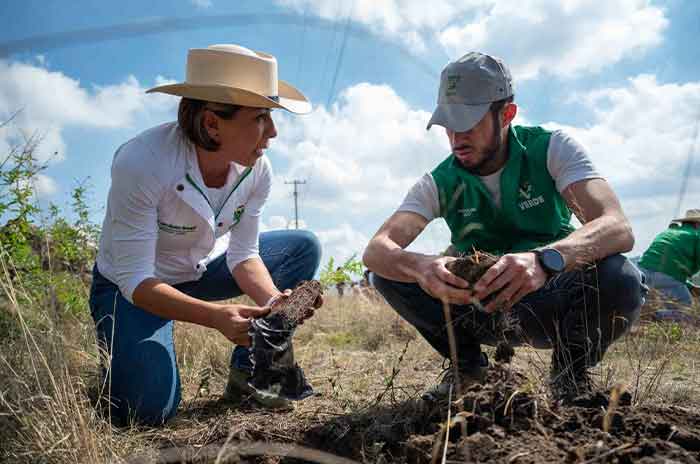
{"points": [[133, 215], [568, 161], [423, 198], [243, 243]]}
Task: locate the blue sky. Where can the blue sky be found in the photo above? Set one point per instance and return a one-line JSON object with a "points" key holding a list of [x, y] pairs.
{"points": [[622, 76]]}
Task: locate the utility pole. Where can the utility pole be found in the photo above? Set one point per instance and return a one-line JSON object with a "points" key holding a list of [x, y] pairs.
{"points": [[296, 203]]}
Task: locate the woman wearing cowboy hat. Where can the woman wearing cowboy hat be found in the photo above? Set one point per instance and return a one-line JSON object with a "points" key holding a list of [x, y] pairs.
{"points": [[182, 230], [669, 262]]}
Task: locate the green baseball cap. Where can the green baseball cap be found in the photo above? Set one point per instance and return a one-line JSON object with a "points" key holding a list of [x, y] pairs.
{"points": [[468, 86]]}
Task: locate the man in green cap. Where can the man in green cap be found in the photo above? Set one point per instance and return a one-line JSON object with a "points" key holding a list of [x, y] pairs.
{"points": [[510, 190], [670, 261]]}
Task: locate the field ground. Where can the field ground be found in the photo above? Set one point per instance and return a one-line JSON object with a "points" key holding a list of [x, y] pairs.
{"points": [[369, 369]]}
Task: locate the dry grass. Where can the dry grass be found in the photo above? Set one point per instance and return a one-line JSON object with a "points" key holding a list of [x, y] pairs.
{"points": [[359, 356]]}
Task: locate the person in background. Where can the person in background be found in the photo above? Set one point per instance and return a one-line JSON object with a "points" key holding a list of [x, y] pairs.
{"points": [[510, 190], [181, 230], [670, 261], [340, 286]]}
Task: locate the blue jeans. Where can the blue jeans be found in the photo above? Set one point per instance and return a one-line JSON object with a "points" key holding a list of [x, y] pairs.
{"points": [[677, 293], [143, 381], [578, 314]]}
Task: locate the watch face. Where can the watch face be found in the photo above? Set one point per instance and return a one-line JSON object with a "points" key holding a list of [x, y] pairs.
{"points": [[552, 260]]}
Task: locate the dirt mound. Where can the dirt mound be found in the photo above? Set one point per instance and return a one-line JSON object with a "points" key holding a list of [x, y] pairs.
{"points": [[500, 422]]}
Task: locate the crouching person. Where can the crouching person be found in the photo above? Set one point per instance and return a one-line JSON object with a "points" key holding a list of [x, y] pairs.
{"points": [[670, 263], [182, 230], [509, 190]]}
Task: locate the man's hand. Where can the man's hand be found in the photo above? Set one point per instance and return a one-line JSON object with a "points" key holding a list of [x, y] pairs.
{"points": [[233, 321], [437, 281], [515, 275]]}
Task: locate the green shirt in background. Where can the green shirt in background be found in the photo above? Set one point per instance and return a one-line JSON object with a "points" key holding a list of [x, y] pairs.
{"points": [[675, 252]]}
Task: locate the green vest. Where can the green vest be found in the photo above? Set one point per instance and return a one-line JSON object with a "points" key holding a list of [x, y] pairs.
{"points": [[675, 252], [532, 212]]}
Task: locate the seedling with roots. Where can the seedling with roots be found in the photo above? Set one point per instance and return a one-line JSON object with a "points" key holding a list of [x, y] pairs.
{"points": [[471, 267]]}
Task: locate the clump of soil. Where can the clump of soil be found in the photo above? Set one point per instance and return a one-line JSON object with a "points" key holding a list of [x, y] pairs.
{"points": [[500, 421], [471, 267], [295, 308]]}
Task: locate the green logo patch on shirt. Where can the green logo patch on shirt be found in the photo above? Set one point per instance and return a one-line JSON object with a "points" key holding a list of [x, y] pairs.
{"points": [[237, 214], [526, 190]]}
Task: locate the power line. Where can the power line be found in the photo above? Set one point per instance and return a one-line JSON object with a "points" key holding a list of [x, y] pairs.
{"points": [[340, 56], [324, 73], [150, 26], [688, 168], [331, 47], [336, 71], [296, 183], [301, 51]]}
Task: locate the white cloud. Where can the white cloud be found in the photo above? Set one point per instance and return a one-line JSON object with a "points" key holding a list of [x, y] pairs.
{"points": [[558, 37], [642, 133], [364, 153], [45, 186], [581, 36], [652, 214], [341, 242], [409, 21], [42, 185], [640, 139], [49, 101]]}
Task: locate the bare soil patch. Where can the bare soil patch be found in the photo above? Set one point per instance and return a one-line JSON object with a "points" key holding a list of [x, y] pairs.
{"points": [[501, 423], [498, 422]]}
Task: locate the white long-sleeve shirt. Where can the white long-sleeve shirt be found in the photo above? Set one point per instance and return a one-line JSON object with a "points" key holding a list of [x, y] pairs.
{"points": [[161, 223]]}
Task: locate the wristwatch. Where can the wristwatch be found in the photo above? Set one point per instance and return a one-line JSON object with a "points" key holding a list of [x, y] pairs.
{"points": [[551, 260]]}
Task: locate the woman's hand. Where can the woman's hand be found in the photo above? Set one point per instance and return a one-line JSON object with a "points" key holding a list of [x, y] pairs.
{"points": [[233, 321]]}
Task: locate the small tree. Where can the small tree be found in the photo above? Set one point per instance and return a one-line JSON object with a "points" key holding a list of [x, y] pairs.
{"points": [[48, 257], [74, 244], [333, 275], [18, 236]]}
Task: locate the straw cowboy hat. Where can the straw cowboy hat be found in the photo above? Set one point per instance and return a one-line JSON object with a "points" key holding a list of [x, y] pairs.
{"points": [[236, 75], [692, 215]]}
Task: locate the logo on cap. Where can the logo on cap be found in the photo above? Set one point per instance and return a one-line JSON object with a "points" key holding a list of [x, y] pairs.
{"points": [[452, 82]]}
